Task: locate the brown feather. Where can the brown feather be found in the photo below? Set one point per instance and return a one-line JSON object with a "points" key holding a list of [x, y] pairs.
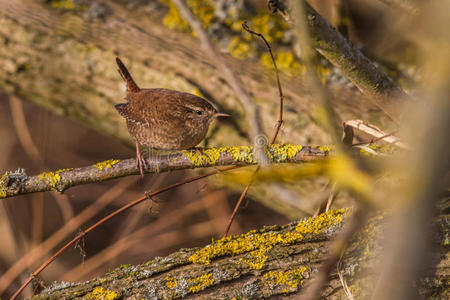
{"points": [[131, 85]]}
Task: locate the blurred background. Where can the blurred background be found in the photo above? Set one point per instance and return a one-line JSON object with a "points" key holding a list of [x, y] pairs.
{"points": [[59, 85]]}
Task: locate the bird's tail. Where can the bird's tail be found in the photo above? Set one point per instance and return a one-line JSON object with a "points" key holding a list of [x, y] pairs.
{"points": [[131, 85]]}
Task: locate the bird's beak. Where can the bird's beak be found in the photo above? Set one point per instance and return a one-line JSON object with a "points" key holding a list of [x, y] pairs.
{"points": [[221, 115]]}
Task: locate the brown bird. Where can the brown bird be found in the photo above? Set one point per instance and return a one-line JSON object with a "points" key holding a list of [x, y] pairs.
{"points": [[163, 119]]}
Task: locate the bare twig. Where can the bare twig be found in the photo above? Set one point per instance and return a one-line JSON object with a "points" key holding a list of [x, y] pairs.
{"points": [[376, 132], [406, 6], [18, 183], [328, 116], [238, 204], [107, 218], [280, 90], [246, 101], [342, 279], [30, 148], [154, 229], [277, 128], [56, 238]]}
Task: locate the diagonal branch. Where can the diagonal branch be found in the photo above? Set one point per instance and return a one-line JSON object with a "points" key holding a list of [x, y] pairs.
{"points": [[348, 58]]}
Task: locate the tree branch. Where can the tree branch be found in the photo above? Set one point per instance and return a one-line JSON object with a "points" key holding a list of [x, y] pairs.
{"points": [[17, 183], [347, 57]]}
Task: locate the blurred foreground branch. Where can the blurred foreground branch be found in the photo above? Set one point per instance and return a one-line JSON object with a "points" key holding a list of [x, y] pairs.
{"points": [[275, 260], [17, 183]]}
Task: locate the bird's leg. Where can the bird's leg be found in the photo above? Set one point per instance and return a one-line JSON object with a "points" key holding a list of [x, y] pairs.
{"points": [[140, 160], [198, 150]]}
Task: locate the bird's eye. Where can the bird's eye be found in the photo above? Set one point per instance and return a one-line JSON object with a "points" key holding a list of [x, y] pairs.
{"points": [[199, 112]]}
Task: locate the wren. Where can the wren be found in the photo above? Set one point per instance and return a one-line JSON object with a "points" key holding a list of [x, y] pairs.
{"points": [[163, 119]]}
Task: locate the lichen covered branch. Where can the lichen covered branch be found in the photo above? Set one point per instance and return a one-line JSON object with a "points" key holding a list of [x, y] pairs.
{"points": [[347, 57], [17, 183], [274, 260]]}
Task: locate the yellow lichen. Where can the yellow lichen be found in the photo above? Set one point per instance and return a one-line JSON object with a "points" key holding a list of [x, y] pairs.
{"points": [[100, 293], [67, 5], [281, 152], [201, 282], [239, 48], [259, 244], [2, 190], [322, 73], [106, 164], [211, 156], [171, 282], [50, 178], [285, 61], [271, 27], [385, 149], [276, 152], [325, 148], [203, 10], [366, 239], [292, 278]]}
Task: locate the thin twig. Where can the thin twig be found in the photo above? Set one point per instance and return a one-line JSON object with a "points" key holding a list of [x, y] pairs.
{"points": [[280, 90], [56, 238], [126, 242], [110, 216], [342, 279], [238, 204], [376, 132], [277, 129], [230, 75], [30, 148]]}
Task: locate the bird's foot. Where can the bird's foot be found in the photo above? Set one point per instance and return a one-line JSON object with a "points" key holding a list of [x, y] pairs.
{"points": [[198, 150], [141, 163]]}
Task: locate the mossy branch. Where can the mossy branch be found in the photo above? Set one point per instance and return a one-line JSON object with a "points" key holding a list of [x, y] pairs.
{"points": [[17, 183], [274, 260]]}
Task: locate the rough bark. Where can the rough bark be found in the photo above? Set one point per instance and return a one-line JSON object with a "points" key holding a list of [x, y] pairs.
{"points": [[265, 263]]}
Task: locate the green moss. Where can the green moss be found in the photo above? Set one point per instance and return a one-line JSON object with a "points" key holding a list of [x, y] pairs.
{"points": [[50, 178], [258, 244], [100, 293], [292, 278], [201, 282], [106, 164]]}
